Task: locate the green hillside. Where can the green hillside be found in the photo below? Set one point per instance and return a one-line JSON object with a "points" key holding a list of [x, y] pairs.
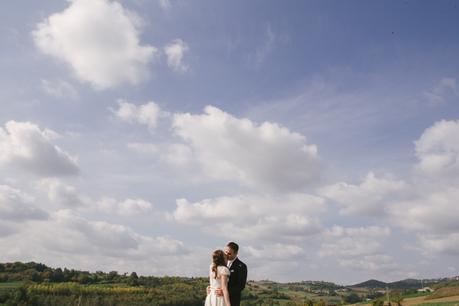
{"points": [[37, 284]]}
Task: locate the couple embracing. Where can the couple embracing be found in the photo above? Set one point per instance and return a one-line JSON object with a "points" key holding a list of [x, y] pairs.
{"points": [[227, 276]]}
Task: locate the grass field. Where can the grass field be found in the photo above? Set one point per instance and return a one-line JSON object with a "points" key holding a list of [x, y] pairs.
{"points": [[423, 300], [445, 292], [441, 304], [10, 285]]}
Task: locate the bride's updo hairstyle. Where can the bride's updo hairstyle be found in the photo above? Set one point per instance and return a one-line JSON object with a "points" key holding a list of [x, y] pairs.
{"points": [[218, 259]]}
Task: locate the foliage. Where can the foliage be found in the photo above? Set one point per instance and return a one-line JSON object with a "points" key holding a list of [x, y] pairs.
{"points": [[352, 298], [378, 302]]}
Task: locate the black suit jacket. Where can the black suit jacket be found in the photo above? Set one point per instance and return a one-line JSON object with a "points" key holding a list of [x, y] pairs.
{"points": [[237, 280]]}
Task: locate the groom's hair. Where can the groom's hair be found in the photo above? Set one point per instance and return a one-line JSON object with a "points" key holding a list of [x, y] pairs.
{"points": [[233, 246]]}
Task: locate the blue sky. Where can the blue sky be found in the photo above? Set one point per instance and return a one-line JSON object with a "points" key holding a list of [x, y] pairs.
{"points": [[320, 135]]}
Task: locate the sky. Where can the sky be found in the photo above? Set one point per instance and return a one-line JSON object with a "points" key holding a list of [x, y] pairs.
{"points": [[321, 136]]}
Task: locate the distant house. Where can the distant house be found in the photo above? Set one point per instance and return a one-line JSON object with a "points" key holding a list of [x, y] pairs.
{"points": [[425, 289]]}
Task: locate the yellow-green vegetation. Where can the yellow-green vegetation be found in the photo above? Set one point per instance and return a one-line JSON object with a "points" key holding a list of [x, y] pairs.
{"points": [[34, 284], [441, 304], [10, 285], [444, 292]]}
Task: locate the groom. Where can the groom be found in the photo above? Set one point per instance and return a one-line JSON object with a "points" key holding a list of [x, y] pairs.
{"points": [[238, 273]]}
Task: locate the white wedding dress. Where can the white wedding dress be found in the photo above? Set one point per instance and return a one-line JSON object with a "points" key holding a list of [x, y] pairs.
{"points": [[215, 283]]}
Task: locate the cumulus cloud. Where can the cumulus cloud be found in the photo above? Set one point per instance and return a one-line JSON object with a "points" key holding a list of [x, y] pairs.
{"points": [[438, 149], [126, 207], [350, 242], [429, 211], [65, 196], [17, 206], [143, 147], [175, 52], [368, 198], [91, 244], [99, 40], [147, 114], [68, 197], [440, 244], [25, 145], [290, 217], [175, 154], [432, 211], [275, 251], [357, 248], [178, 154], [380, 262], [102, 235], [265, 155]]}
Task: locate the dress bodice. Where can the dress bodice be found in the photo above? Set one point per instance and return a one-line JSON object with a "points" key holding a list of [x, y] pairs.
{"points": [[216, 282]]}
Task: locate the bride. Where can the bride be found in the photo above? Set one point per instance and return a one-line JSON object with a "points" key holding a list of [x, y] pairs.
{"points": [[218, 276]]}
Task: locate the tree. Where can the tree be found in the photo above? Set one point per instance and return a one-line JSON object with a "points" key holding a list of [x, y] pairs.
{"points": [[378, 302], [321, 302], [308, 302], [352, 298], [133, 279], [397, 298]]}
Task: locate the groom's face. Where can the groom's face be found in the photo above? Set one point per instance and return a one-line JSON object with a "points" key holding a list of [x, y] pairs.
{"points": [[230, 254]]}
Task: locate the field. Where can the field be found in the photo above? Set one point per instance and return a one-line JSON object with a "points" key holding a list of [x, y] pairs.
{"points": [[425, 300], [34, 284], [286, 294]]}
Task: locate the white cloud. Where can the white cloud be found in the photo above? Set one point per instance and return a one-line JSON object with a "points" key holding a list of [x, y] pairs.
{"points": [[128, 207], [373, 263], [175, 154], [6, 230], [430, 211], [443, 90], [368, 198], [352, 242], [265, 155], [276, 218], [25, 145], [263, 51], [178, 155], [68, 197], [165, 4], [143, 147], [65, 196], [59, 89], [438, 149], [175, 51], [275, 251], [68, 239], [102, 235], [147, 114], [17, 206], [99, 39], [440, 244]]}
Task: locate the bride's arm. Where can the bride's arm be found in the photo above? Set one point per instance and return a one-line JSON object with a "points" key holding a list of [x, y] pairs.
{"points": [[224, 282]]}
